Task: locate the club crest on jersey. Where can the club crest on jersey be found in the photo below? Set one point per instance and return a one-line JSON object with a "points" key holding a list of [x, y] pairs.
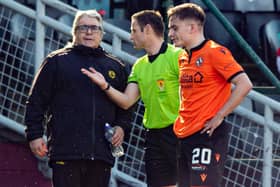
{"points": [[160, 84], [112, 74], [199, 61]]}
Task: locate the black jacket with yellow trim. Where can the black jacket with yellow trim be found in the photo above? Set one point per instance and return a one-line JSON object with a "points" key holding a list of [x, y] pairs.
{"points": [[75, 109]]}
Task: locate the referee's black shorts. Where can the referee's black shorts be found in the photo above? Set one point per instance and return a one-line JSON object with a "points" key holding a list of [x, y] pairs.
{"points": [[160, 157], [201, 158]]}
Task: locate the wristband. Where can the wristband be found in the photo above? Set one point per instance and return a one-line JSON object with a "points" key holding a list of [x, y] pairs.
{"points": [[108, 87]]}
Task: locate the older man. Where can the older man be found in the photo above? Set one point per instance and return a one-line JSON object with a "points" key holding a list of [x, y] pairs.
{"points": [[76, 110]]}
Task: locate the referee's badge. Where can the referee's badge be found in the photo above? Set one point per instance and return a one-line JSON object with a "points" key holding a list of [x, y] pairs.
{"points": [[199, 61], [160, 84]]}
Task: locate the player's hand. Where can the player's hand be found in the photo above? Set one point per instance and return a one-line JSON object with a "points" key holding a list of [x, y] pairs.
{"points": [[212, 124]]}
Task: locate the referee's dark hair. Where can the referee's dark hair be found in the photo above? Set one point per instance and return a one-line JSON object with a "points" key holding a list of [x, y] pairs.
{"points": [[152, 18]]}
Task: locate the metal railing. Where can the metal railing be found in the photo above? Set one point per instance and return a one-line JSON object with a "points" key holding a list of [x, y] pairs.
{"points": [[243, 44]]}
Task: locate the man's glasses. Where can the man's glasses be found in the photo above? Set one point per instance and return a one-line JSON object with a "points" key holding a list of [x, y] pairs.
{"points": [[86, 28]]}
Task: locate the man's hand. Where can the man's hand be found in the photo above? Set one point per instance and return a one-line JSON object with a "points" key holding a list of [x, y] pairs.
{"points": [[38, 147], [212, 124], [117, 139], [95, 77]]}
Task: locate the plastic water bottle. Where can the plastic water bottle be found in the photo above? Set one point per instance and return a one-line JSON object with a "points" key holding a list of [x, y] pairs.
{"points": [[117, 151]]}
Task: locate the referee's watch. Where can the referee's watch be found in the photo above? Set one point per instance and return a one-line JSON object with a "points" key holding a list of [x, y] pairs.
{"points": [[108, 87]]}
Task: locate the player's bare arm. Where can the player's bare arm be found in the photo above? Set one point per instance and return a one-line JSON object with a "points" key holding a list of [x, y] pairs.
{"points": [[242, 87]]}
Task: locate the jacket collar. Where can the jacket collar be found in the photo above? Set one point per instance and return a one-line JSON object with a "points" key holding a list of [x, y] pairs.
{"points": [[87, 51]]}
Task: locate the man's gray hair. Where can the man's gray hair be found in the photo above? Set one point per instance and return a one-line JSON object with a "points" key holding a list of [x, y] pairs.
{"points": [[89, 13]]}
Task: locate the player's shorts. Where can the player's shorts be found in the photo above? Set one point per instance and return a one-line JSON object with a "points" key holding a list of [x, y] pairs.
{"points": [[201, 158], [160, 157]]}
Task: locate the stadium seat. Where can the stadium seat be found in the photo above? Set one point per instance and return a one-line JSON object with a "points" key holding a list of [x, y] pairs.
{"points": [[272, 32], [133, 6], [254, 22], [270, 39], [277, 5], [216, 31], [116, 5], [253, 5], [223, 5]]}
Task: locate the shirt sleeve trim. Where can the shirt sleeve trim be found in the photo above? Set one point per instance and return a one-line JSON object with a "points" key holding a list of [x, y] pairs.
{"points": [[133, 82], [234, 75]]}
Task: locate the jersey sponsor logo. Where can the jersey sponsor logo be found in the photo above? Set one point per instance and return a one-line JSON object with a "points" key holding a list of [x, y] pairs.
{"points": [[188, 80], [112, 74], [196, 78], [161, 84], [198, 167]]}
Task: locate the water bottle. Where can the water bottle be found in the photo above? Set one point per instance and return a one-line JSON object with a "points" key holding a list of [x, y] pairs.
{"points": [[117, 151]]}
